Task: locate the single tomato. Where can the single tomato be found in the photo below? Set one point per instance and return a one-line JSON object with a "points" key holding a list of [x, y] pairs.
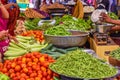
{"points": [[23, 60], [37, 78], [23, 65], [42, 59], [44, 74], [23, 75], [43, 69], [40, 77], [11, 71], [34, 67], [19, 62], [22, 78], [12, 75], [25, 70], [18, 73], [51, 79], [37, 68], [28, 55], [17, 68], [28, 60], [30, 72], [13, 65], [46, 64], [35, 60], [49, 72], [43, 78], [32, 79], [29, 64], [48, 77], [45, 55], [9, 67]]}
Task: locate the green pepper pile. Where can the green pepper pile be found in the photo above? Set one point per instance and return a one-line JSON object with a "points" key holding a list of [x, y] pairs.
{"points": [[57, 31], [79, 64], [115, 54]]}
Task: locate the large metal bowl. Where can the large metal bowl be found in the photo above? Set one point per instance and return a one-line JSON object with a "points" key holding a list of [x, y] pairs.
{"points": [[103, 28], [77, 38]]}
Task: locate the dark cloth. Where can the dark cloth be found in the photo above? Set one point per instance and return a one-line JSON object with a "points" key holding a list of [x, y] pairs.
{"points": [[9, 1], [37, 4], [4, 1], [104, 4], [14, 15], [114, 7]]}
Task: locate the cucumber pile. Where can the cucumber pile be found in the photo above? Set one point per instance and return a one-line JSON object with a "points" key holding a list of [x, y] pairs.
{"points": [[25, 45], [56, 52]]}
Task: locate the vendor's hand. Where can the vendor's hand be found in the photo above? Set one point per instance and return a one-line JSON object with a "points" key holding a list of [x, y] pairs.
{"points": [[106, 18], [116, 28], [13, 38], [3, 34]]}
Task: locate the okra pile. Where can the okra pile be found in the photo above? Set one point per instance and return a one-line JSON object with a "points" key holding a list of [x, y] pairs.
{"points": [[115, 53], [79, 64]]}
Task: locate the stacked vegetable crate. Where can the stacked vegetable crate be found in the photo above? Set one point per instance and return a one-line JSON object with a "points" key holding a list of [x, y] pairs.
{"points": [[23, 3]]}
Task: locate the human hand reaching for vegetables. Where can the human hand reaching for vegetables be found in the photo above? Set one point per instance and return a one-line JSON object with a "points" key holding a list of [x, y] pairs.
{"points": [[106, 17], [4, 34], [13, 38]]}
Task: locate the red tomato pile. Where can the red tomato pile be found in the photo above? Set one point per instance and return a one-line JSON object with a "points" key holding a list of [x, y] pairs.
{"points": [[36, 33], [32, 66]]}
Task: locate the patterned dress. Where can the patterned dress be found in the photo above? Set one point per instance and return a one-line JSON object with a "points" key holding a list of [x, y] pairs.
{"points": [[3, 26]]}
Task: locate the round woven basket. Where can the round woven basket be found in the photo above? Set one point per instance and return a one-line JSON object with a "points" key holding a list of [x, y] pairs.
{"points": [[114, 62]]}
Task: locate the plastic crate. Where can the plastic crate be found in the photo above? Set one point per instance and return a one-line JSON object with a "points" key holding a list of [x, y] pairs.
{"points": [[23, 1], [23, 5]]}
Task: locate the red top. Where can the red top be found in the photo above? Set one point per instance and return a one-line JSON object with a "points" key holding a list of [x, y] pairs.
{"points": [[4, 1], [3, 26]]}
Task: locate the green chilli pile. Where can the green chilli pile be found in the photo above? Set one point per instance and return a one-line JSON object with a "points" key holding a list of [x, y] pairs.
{"points": [[115, 53], [79, 64], [57, 31]]}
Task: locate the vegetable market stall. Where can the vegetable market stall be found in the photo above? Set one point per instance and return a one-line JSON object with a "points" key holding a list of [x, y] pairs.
{"points": [[33, 58]]}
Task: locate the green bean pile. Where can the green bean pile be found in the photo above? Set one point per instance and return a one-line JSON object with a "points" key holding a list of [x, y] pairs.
{"points": [[79, 64], [115, 54], [57, 31]]}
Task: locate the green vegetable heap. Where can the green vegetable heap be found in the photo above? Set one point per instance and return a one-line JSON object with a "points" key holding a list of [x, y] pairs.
{"points": [[115, 54], [73, 24], [32, 24], [79, 64], [58, 31], [4, 77], [113, 15]]}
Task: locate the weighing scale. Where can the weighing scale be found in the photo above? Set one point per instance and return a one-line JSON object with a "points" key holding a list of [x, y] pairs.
{"points": [[101, 42]]}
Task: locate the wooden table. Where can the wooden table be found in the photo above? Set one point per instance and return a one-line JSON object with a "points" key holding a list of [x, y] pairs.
{"points": [[101, 50]]}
